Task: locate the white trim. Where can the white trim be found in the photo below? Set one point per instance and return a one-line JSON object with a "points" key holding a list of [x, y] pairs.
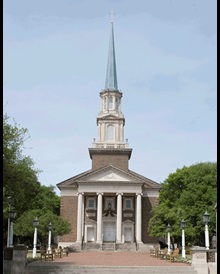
{"points": [[128, 224], [86, 231]]}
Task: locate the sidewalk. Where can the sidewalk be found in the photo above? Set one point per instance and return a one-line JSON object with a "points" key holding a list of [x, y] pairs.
{"points": [[110, 258]]}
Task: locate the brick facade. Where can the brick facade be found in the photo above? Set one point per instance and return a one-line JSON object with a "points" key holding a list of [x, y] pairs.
{"points": [[68, 211], [147, 204], [115, 157]]}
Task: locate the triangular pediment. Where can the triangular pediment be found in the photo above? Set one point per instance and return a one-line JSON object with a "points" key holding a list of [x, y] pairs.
{"points": [[106, 175], [111, 116], [109, 174]]}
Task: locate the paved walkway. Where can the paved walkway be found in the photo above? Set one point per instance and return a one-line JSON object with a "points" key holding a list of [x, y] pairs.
{"points": [[110, 258]]}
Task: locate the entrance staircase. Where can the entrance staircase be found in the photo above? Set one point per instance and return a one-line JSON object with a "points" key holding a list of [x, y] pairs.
{"points": [[112, 246], [74, 269]]}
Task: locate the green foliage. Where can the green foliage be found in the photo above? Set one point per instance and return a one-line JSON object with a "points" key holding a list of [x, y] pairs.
{"points": [[30, 199], [19, 176], [23, 227], [46, 199], [186, 194]]}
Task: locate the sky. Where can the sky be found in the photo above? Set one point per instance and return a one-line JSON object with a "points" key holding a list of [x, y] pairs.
{"points": [[54, 67]]}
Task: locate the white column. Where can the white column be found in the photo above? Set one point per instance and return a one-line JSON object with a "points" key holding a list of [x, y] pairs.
{"points": [[79, 218], [35, 243], [49, 241], [206, 236], [83, 217], [119, 217], [99, 133], [183, 244], [168, 242], [99, 218], [138, 218]]}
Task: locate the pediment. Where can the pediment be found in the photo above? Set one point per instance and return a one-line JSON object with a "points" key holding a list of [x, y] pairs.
{"points": [[128, 222], [109, 174], [111, 116]]}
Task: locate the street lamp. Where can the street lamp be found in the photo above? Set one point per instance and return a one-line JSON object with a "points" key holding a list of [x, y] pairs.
{"points": [[216, 222], [11, 216], [49, 236], [183, 225], [168, 229], [206, 219], [36, 223], [9, 208]]}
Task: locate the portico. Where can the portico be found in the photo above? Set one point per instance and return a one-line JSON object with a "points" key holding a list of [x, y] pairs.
{"points": [[108, 216]]}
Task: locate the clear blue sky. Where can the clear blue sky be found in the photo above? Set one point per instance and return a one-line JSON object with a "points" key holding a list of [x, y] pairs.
{"points": [[54, 62]]}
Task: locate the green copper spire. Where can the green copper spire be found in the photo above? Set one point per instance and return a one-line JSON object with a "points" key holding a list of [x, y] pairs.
{"points": [[111, 75]]}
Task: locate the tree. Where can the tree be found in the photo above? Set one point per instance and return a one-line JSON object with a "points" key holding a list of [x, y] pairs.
{"points": [[24, 229], [19, 175], [20, 181], [186, 194]]}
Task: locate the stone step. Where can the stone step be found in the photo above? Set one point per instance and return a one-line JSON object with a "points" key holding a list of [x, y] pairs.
{"points": [[64, 269]]}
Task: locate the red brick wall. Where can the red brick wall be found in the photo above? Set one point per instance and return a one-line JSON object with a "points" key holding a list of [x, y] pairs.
{"points": [[119, 161], [147, 203], [68, 211]]}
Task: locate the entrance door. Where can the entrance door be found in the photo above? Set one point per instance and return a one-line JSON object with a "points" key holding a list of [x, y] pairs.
{"points": [[90, 234], [128, 234], [109, 232]]}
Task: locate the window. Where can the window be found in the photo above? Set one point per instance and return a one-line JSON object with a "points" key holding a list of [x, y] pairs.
{"points": [[110, 102], [90, 203], [116, 103], [128, 203], [110, 132]]}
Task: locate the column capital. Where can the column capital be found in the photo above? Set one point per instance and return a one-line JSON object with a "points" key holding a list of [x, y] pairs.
{"points": [[118, 193], [97, 193], [78, 193], [139, 194]]}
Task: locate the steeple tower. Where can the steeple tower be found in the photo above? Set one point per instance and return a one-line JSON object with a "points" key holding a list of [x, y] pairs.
{"points": [[110, 120], [111, 74]]}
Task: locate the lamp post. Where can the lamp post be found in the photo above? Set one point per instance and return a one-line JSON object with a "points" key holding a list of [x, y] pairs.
{"points": [[49, 236], [206, 219], [9, 208], [36, 223], [183, 225], [168, 238], [11, 216], [216, 222]]}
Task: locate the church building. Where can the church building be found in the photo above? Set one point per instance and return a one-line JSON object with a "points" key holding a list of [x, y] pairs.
{"points": [[108, 203]]}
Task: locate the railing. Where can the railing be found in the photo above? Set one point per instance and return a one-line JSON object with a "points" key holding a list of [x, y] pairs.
{"points": [[109, 145]]}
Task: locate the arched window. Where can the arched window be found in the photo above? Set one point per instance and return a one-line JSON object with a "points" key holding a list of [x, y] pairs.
{"points": [[110, 102], [110, 132], [116, 103]]}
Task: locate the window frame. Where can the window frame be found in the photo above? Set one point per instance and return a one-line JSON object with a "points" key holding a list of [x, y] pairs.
{"points": [[87, 202], [131, 202]]}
